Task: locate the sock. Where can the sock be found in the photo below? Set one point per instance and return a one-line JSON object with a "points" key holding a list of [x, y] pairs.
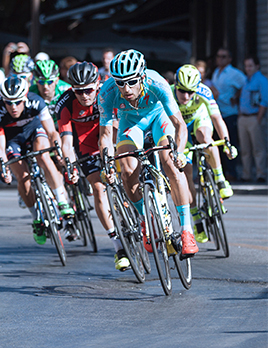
{"points": [[140, 206], [185, 217], [195, 215], [116, 241], [218, 174], [33, 212], [60, 196]]}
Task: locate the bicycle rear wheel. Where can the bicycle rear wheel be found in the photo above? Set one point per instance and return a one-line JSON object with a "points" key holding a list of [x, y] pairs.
{"points": [[157, 239], [50, 215], [86, 220], [123, 229], [217, 215]]}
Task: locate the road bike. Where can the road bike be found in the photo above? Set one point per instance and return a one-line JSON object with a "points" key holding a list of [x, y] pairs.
{"points": [[46, 203], [209, 202], [127, 222], [165, 241]]}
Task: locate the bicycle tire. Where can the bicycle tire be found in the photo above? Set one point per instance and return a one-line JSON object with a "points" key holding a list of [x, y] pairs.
{"points": [[217, 215], [52, 226], [183, 265], [206, 212], [128, 240], [86, 221], [159, 250]]}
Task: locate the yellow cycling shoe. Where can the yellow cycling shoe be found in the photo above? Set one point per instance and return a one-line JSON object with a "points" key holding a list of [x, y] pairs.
{"points": [[225, 189], [199, 233], [121, 261]]}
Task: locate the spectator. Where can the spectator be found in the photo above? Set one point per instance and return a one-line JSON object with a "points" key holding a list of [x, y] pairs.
{"points": [[41, 56], [10, 51], [228, 81], [65, 65], [107, 56], [201, 65], [169, 76], [252, 109]]}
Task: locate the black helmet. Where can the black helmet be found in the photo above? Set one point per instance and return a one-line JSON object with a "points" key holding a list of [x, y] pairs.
{"points": [[83, 73], [14, 87]]}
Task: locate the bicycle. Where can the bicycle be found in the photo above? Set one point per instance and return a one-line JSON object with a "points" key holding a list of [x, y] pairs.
{"points": [[78, 195], [209, 202], [160, 234], [127, 223], [46, 203]]}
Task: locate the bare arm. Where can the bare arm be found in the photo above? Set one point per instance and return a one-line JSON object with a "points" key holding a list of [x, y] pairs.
{"points": [[106, 139], [8, 178], [51, 131], [181, 133], [220, 126]]}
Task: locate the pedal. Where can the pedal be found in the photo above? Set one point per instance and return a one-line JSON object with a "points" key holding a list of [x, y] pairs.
{"points": [[187, 256]]}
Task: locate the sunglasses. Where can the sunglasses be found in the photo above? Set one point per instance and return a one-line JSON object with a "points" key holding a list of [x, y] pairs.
{"points": [[25, 76], [130, 83], [8, 102], [223, 56], [81, 91], [45, 82], [183, 91]]}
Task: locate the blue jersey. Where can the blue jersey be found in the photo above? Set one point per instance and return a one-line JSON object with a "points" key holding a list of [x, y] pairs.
{"points": [[156, 97]]}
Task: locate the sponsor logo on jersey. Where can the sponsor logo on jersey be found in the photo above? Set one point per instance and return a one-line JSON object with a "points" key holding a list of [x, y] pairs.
{"points": [[34, 104], [122, 106]]}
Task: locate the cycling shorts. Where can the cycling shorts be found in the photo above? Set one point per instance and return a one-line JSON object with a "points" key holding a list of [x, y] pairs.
{"points": [[90, 166], [202, 120], [18, 145], [132, 133]]}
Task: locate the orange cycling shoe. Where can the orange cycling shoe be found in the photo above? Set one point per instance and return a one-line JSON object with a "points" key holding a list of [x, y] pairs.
{"points": [[147, 246], [189, 245]]}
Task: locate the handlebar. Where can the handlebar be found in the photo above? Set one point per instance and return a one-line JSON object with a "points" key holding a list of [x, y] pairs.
{"points": [[199, 147]]}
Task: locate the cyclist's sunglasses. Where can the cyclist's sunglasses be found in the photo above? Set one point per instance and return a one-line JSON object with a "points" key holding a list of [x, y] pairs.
{"points": [[25, 76], [130, 83], [81, 91], [183, 91], [8, 102], [45, 82]]}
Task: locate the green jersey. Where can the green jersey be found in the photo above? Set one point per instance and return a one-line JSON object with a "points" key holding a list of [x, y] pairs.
{"points": [[61, 87]]}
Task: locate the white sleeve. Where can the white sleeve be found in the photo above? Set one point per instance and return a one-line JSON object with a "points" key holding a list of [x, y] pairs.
{"points": [[44, 114]]}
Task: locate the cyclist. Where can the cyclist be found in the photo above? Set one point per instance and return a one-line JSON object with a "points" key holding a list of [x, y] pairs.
{"points": [[200, 112], [24, 118], [144, 101], [78, 120], [22, 65], [48, 85]]}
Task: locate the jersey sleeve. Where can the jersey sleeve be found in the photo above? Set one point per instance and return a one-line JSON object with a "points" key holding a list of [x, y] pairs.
{"points": [[205, 93], [106, 99], [64, 122], [165, 95]]}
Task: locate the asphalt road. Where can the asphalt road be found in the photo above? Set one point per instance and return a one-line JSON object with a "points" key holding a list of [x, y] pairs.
{"points": [[90, 304]]}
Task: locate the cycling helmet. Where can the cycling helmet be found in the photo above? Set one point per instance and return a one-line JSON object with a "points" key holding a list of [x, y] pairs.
{"points": [[188, 77], [14, 88], [21, 63], [46, 69], [127, 64], [83, 74]]}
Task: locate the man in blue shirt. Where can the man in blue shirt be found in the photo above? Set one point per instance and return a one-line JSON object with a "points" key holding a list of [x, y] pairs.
{"points": [[228, 81], [252, 109], [145, 102]]}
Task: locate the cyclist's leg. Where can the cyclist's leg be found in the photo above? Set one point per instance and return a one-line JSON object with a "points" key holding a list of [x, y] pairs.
{"points": [[203, 130], [162, 127], [53, 176]]}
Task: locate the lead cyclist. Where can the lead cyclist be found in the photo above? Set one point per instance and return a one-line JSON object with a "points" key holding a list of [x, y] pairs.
{"points": [[145, 102], [200, 112]]}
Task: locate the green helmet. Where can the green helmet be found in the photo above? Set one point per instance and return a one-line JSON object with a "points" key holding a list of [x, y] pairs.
{"points": [[46, 69], [21, 63], [188, 77]]}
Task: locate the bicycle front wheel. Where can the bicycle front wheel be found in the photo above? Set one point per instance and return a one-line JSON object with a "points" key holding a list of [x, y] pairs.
{"points": [[50, 215], [157, 239], [86, 220], [123, 229], [217, 215]]}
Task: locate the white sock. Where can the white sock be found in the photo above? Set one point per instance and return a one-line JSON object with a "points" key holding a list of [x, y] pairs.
{"points": [[116, 241], [60, 195]]}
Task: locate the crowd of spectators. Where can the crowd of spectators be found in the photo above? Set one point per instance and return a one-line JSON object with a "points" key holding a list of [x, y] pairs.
{"points": [[241, 97]]}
